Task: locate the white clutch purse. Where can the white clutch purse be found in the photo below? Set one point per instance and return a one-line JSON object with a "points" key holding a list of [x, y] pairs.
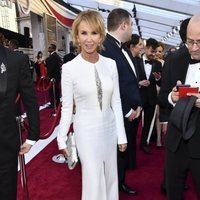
{"points": [[72, 159]]}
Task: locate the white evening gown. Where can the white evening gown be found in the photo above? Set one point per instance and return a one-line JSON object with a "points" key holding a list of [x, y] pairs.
{"points": [[97, 131]]}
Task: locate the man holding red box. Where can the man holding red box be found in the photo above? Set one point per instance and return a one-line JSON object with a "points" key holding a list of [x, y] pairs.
{"points": [[183, 152]]}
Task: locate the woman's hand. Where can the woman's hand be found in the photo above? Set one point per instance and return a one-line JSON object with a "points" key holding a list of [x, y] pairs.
{"points": [[65, 152], [122, 147]]}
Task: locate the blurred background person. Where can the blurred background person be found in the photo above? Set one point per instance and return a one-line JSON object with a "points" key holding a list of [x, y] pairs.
{"points": [[149, 77], [161, 123], [72, 54], [53, 64], [39, 66], [135, 45], [160, 52]]}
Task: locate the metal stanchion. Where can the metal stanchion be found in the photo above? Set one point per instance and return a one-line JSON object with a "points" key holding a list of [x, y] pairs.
{"points": [[43, 87], [54, 96], [22, 165]]}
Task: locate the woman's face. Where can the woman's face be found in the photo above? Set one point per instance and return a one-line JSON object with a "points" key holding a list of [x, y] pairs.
{"points": [[88, 39], [159, 53], [137, 49]]}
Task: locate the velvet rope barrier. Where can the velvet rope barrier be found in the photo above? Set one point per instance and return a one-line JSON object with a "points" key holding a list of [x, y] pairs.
{"points": [[54, 124], [41, 84], [17, 99]]}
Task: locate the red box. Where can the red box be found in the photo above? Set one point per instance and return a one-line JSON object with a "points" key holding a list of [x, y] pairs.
{"points": [[184, 90]]}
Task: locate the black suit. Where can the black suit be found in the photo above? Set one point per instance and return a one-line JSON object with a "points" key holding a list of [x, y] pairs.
{"points": [[15, 78], [68, 57], [130, 97], [181, 154], [53, 64], [148, 96]]}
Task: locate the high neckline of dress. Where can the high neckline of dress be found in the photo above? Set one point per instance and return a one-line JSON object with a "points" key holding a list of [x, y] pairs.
{"points": [[93, 63]]}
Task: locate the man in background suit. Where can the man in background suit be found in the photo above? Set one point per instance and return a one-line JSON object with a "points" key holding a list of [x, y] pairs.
{"points": [[149, 76], [15, 78], [72, 54], [119, 26], [53, 64], [182, 154]]}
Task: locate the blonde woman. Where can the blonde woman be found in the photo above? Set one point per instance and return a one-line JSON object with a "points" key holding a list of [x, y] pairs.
{"points": [[92, 81]]}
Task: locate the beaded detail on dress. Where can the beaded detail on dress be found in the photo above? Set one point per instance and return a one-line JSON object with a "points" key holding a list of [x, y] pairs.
{"points": [[99, 88]]}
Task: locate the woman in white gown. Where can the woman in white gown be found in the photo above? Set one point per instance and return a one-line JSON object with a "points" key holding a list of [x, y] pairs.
{"points": [[91, 81]]}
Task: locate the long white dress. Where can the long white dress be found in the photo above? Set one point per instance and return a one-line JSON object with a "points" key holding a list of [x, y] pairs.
{"points": [[97, 131]]}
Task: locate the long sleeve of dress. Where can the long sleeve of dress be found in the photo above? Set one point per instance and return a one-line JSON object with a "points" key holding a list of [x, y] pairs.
{"points": [[67, 106], [117, 108]]}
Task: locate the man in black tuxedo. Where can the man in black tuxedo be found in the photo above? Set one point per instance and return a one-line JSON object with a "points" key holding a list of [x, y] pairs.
{"points": [[149, 76], [15, 78], [182, 154], [119, 26], [72, 54], [53, 64], [165, 109]]}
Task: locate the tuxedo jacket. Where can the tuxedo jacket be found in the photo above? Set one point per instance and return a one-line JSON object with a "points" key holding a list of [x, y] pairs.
{"points": [[128, 83], [15, 77], [149, 94], [175, 68], [53, 64]]}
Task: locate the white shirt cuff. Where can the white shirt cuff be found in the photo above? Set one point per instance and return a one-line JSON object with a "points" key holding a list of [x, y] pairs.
{"points": [[129, 113], [170, 99], [31, 142]]}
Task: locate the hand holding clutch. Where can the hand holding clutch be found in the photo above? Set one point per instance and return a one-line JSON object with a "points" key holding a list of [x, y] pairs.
{"points": [[72, 157]]}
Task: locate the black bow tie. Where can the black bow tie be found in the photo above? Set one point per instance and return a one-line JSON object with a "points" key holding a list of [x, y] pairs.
{"points": [[148, 61], [194, 61]]}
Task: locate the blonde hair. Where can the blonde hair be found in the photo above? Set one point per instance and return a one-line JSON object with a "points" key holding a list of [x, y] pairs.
{"points": [[95, 20]]}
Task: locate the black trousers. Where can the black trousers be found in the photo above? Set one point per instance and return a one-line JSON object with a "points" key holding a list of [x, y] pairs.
{"points": [[148, 116], [127, 160], [8, 178], [177, 166]]}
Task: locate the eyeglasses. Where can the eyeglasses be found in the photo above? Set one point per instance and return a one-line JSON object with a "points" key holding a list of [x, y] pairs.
{"points": [[191, 43]]}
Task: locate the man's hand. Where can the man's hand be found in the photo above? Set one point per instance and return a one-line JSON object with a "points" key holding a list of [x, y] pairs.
{"points": [[144, 83], [135, 114], [24, 148], [138, 110], [197, 103], [122, 147], [175, 93], [157, 75], [132, 116]]}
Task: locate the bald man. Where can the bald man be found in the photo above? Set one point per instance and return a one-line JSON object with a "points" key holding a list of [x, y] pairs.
{"points": [[183, 151]]}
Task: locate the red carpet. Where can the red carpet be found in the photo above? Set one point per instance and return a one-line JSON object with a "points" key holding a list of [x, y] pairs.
{"points": [[53, 181], [48, 180]]}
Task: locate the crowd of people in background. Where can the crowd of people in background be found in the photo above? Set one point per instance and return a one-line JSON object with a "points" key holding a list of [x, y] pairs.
{"points": [[116, 81]]}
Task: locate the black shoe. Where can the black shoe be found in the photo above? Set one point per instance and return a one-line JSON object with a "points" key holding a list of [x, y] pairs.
{"points": [[124, 188], [50, 106], [145, 149], [163, 189], [186, 188], [159, 147]]}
